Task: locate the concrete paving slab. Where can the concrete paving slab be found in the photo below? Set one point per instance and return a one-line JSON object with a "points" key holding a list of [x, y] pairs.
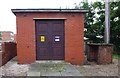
{"points": [[33, 73], [35, 67], [53, 68], [43, 71], [70, 70], [48, 69], [64, 73], [52, 74]]}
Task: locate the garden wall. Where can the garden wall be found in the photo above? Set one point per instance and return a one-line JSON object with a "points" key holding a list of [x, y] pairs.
{"points": [[100, 53], [8, 52]]}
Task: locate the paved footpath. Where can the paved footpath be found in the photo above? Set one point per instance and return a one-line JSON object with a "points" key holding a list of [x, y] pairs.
{"points": [[52, 68], [40, 68]]}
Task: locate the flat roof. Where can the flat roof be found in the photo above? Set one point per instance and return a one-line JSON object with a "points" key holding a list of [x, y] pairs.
{"points": [[49, 10]]}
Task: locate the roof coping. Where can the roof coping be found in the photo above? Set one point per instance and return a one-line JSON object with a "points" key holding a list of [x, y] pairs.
{"points": [[49, 10]]}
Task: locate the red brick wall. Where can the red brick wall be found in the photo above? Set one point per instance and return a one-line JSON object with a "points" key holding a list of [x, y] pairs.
{"points": [[9, 51], [74, 33], [100, 53], [105, 54]]}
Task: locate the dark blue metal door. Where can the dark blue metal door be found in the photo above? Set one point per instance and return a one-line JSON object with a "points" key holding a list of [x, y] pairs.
{"points": [[50, 39]]}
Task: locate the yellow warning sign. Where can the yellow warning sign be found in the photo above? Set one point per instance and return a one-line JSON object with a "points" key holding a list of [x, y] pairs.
{"points": [[42, 38]]}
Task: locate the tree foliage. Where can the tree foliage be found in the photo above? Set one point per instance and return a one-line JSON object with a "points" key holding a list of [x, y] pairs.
{"points": [[115, 24], [95, 21]]}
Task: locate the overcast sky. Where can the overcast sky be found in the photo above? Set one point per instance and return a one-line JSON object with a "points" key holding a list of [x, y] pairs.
{"points": [[8, 19]]}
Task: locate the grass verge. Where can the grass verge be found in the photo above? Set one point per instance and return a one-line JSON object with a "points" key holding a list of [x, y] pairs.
{"points": [[116, 56]]}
